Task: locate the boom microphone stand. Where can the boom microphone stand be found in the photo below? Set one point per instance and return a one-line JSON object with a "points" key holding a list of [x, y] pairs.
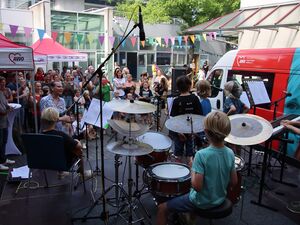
{"points": [[105, 214], [275, 103]]}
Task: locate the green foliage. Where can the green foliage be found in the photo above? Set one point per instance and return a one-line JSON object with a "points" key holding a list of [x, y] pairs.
{"points": [[192, 12]]}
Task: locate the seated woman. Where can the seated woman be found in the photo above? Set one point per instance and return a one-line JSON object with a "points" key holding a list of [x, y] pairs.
{"points": [[72, 147]]}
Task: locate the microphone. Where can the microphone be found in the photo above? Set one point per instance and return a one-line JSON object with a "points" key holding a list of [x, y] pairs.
{"points": [[287, 94], [219, 89], [141, 25]]}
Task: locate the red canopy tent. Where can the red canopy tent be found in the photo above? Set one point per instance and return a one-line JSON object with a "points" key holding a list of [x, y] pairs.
{"points": [[48, 50], [14, 56]]}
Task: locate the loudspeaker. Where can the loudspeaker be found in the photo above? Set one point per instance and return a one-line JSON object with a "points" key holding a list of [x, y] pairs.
{"points": [[176, 72]]}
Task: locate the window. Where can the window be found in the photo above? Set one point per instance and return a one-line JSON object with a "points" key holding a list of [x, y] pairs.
{"points": [[141, 60], [163, 58], [150, 58], [267, 78], [215, 78]]}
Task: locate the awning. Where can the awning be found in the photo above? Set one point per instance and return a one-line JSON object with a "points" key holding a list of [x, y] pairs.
{"points": [[14, 56], [48, 50], [269, 17]]}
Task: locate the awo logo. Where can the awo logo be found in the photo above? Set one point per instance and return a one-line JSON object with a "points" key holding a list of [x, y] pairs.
{"points": [[15, 57], [243, 60]]}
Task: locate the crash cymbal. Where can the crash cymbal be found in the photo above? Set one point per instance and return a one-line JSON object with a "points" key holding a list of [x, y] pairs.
{"points": [[133, 107], [134, 149], [122, 127], [182, 123], [248, 129]]}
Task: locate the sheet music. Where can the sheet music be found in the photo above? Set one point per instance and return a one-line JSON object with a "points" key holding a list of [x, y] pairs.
{"points": [[92, 116], [259, 92], [244, 98], [21, 172]]}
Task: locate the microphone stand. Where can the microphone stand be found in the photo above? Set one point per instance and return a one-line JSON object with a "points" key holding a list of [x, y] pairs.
{"points": [[105, 214], [275, 103]]}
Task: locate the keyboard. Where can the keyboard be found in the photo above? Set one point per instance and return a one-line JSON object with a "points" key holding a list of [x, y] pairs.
{"points": [[277, 128]]}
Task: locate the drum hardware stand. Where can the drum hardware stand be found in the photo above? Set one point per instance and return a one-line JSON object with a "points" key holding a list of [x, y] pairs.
{"points": [[105, 214], [97, 170], [157, 113], [138, 193], [262, 179], [87, 140]]}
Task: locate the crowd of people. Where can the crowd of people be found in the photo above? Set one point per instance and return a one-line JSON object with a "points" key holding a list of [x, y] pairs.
{"points": [[212, 168]]}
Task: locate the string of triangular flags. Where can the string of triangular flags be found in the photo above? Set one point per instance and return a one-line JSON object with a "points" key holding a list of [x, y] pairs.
{"points": [[91, 37]]}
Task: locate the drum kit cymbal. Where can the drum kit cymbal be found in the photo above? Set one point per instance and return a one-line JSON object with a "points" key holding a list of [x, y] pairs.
{"points": [[246, 129]]}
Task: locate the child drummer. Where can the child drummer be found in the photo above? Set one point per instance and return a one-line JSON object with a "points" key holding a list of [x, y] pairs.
{"points": [[185, 103], [212, 170]]}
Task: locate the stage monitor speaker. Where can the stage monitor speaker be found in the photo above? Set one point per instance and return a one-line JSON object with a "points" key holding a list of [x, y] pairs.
{"points": [[176, 72]]}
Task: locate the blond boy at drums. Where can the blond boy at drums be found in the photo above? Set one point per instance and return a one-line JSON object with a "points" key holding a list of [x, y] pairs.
{"points": [[213, 169]]}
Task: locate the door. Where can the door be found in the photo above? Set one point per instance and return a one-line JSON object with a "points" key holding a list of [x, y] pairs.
{"points": [[216, 79], [132, 64]]}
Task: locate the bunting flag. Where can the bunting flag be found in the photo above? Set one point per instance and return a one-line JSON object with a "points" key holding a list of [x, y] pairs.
{"points": [[198, 37], [172, 40], [133, 41], [192, 37], [215, 35], [90, 38], [166, 39], [13, 30], [179, 38], [101, 39], [143, 43], [54, 35], [79, 38], [67, 36], [123, 43], [41, 33], [185, 38], [204, 36], [158, 39], [1, 26], [27, 31], [111, 40]]}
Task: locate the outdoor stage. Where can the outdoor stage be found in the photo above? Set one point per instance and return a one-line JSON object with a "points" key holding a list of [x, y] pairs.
{"points": [[58, 206]]}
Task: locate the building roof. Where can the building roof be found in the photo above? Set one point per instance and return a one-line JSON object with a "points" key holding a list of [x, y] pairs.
{"points": [[268, 17]]}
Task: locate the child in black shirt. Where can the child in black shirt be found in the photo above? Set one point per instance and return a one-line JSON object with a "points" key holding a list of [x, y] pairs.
{"points": [[185, 103]]}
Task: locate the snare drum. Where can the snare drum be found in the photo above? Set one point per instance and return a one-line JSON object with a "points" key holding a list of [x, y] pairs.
{"points": [[168, 179], [234, 193], [161, 145]]}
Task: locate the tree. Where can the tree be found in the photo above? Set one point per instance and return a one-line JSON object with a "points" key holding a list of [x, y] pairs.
{"points": [[192, 12]]}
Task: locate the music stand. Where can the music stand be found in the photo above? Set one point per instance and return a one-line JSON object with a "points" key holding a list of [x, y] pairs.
{"points": [[92, 116], [257, 94]]}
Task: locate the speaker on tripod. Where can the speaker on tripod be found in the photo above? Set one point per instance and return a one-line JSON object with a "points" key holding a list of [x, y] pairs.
{"points": [[177, 72]]}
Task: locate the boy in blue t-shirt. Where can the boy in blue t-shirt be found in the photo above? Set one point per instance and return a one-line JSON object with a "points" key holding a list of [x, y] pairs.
{"points": [[213, 170]]}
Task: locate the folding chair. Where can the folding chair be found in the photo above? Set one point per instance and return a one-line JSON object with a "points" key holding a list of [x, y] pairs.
{"points": [[46, 152]]}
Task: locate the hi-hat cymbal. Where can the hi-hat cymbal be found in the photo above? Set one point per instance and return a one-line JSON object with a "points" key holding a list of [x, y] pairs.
{"points": [[248, 129], [122, 127], [133, 107], [126, 149], [182, 123]]}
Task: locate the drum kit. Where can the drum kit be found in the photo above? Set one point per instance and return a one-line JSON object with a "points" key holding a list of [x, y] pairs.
{"points": [[151, 149]]}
